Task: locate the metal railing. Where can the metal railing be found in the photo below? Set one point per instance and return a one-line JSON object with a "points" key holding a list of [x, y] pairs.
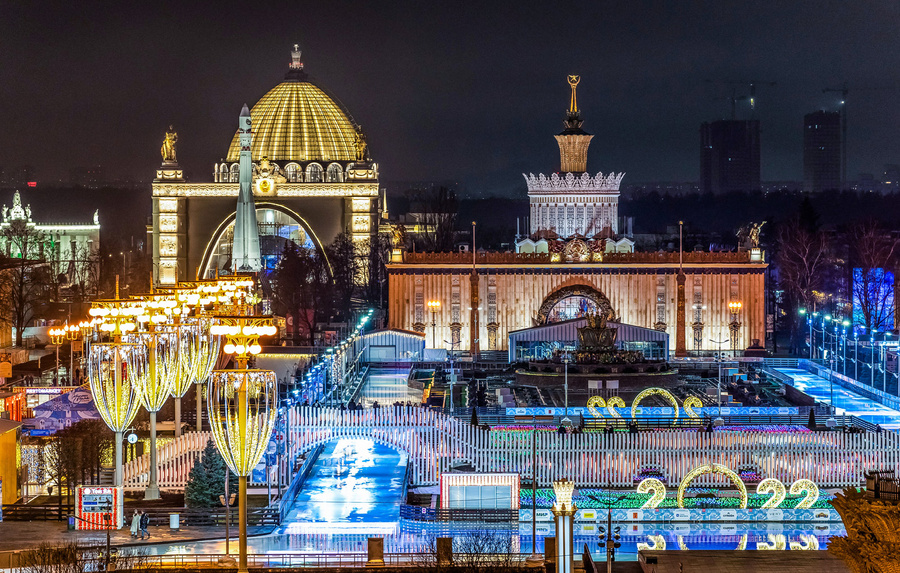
{"points": [[415, 513]]}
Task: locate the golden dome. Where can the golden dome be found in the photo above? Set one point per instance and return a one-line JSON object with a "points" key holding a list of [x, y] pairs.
{"points": [[297, 121]]}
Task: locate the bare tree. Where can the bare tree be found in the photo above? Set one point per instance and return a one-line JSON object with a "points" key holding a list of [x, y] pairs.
{"points": [[437, 209], [25, 285], [54, 558], [874, 253], [803, 260]]}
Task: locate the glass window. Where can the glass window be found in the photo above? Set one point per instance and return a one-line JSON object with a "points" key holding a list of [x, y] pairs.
{"points": [[571, 307], [292, 173], [335, 173], [313, 173]]}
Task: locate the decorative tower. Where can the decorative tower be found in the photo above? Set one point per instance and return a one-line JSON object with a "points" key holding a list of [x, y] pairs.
{"points": [[245, 255], [572, 203], [573, 141]]}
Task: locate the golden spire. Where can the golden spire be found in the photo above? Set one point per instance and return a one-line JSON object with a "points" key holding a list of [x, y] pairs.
{"points": [[573, 104]]}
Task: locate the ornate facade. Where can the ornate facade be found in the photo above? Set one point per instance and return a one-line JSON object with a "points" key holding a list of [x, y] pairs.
{"points": [[312, 178], [513, 291]]}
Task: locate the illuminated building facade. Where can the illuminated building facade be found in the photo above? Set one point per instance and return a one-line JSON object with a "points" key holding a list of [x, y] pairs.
{"points": [[574, 263], [512, 291], [72, 249], [312, 179]]}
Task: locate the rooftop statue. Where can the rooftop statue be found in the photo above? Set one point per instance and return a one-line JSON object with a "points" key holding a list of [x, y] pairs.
{"points": [[360, 144], [749, 234], [168, 146]]}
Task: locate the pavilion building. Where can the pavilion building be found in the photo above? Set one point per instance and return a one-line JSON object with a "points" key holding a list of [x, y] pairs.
{"points": [[574, 263]]}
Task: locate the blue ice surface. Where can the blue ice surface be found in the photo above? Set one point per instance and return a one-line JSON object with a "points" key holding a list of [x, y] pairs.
{"points": [[845, 401]]}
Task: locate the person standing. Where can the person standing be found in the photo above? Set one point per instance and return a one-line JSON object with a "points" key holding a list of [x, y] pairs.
{"points": [[135, 523], [145, 522]]}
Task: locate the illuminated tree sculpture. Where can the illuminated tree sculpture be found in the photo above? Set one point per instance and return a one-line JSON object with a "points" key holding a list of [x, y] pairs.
{"points": [[114, 391], [154, 372], [242, 406]]}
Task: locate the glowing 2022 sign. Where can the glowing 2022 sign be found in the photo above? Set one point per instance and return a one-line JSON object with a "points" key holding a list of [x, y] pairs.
{"points": [[766, 486]]}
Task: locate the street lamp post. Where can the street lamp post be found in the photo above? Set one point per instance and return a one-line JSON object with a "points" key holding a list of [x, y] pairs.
{"points": [[242, 407], [434, 305], [566, 421], [735, 327], [57, 335], [113, 388], [155, 371], [719, 356]]}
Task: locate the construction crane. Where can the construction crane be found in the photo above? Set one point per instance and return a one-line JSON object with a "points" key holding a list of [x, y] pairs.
{"points": [[751, 97], [844, 90]]}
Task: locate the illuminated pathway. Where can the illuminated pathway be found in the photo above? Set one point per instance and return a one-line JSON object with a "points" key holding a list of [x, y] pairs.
{"points": [[352, 481], [845, 401]]}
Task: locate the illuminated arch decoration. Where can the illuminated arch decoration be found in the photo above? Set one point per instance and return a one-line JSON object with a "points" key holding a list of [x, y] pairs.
{"points": [[655, 486], [689, 404], [811, 489], [712, 469], [773, 486], [742, 544], [206, 269], [612, 404], [593, 403], [604, 307], [653, 392]]}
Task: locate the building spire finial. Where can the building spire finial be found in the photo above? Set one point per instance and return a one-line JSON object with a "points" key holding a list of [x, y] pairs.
{"points": [[573, 104], [296, 64]]}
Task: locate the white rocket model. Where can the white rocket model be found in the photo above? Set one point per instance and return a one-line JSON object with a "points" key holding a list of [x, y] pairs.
{"points": [[245, 255]]}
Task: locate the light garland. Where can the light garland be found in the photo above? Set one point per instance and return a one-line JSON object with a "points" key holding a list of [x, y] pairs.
{"points": [[773, 486], [811, 489], [712, 468], [655, 486], [241, 431], [689, 404], [612, 404], [115, 392]]}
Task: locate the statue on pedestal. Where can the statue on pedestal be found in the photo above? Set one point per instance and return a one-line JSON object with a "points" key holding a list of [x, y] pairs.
{"points": [[168, 147]]}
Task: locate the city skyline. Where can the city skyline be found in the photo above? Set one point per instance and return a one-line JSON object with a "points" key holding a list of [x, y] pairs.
{"points": [[448, 94]]}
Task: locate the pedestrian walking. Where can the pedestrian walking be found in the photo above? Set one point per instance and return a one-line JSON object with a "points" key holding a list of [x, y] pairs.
{"points": [[135, 523], [145, 522]]}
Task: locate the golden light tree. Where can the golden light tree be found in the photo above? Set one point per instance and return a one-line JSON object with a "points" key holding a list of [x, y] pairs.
{"points": [[242, 406]]}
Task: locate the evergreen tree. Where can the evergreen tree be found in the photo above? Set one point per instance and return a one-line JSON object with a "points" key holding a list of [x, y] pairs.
{"points": [[206, 482], [811, 424]]}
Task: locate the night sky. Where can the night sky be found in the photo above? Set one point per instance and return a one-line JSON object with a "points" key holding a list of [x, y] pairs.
{"points": [[463, 91]]}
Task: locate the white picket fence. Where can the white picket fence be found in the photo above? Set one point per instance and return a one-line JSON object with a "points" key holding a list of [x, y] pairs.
{"points": [[435, 442], [174, 460]]}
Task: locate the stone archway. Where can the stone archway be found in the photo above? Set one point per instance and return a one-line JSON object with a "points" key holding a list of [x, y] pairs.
{"points": [[604, 307]]}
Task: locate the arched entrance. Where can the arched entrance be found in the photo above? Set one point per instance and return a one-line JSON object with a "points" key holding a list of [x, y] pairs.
{"points": [[277, 225], [573, 301]]}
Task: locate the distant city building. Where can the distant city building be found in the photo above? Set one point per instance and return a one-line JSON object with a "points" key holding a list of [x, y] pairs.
{"points": [[72, 249], [90, 177], [890, 178], [821, 151], [729, 156]]}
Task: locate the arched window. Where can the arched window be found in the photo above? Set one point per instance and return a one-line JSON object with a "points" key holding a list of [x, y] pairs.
{"points": [[235, 172], [313, 173], [223, 173], [292, 172], [335, 173]]}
